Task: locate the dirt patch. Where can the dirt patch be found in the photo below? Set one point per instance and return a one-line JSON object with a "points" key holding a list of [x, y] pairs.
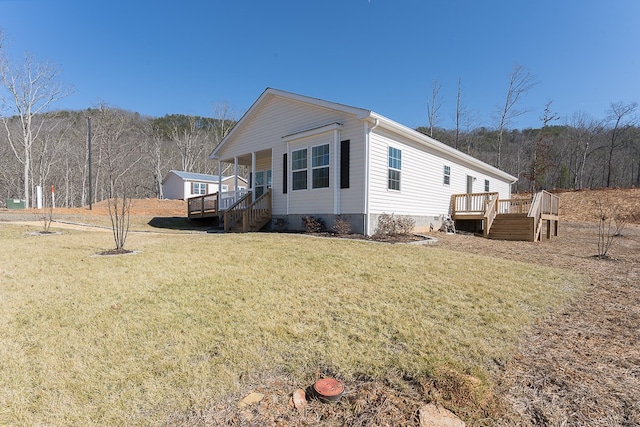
{"points": [[580, 366], [141, 207]]}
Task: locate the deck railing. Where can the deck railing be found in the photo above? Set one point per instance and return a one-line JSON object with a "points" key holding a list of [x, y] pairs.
{"points": [[514, 206], [201, 206], [229, 198], [473, 203], [212, 204]]}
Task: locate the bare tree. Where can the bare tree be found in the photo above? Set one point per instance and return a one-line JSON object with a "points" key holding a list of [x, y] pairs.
{"points": [[32, 88], [188, 137], [541, 159], [119, 210], [611, 222], [458, 114], [521, 81], [434, 106], [582, 131], [622, 116]]}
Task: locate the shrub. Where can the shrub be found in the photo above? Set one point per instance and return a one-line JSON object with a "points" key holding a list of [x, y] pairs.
{"points": [[341, 226], [312, 224], [405, 225], [390, 225], [386, 225]]}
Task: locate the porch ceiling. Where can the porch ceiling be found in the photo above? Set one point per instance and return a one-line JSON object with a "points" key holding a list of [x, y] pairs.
{"points": [[245, 159]]}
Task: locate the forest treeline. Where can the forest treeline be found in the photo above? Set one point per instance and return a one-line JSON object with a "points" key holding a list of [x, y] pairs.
{"points": [[125, 146]]}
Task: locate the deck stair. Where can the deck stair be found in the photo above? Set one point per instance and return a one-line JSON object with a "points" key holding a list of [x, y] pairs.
{"points": [[513, 219], [512, 226], [236, 213]]}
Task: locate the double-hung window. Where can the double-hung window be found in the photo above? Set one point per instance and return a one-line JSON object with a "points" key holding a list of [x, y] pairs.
{"points": [[447, 175], [395, 168], [486, 185], [198, 188], [299, 169], [320, 166]]}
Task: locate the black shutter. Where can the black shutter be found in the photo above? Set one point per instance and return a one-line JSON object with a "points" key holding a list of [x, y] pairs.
{"points": [[284, 173], [344, 163], [251, 181]]}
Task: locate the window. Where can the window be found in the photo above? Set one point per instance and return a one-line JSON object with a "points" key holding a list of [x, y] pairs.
{"points": [[486, 185], [198, 188], [395, 166], [320, 166], [447, 175], [299, 169]]}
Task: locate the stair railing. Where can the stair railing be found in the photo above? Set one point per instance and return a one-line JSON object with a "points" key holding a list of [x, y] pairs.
{"points": [[544, 203], [257, 213], [490, 212], [234, 213]]}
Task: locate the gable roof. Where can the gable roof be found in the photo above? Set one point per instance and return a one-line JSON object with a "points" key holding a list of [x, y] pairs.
{"points": [[201, 177], [365, 115]]}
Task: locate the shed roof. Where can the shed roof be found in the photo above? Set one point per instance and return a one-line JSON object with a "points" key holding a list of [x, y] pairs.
{"points": [[201, 177]]}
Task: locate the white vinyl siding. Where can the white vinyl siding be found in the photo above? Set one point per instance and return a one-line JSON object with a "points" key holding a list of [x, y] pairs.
{"points": [[423, 192], [280, 117]]}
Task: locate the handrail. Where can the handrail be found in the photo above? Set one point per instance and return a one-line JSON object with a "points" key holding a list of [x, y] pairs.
{"points": [[253, 214], [199, 205], [234, 212], [544, 203], [490, 212]]}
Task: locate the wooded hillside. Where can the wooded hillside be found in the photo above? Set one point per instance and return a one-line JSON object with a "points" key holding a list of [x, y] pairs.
{"points": [[586, 153]]}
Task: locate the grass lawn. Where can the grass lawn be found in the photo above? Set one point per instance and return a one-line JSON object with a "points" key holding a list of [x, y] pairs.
{"points": [[132, 340]]}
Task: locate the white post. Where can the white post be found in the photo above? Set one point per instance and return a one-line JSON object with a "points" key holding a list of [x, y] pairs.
{"points": [[253, 176], [53, 197], [39, 196]]}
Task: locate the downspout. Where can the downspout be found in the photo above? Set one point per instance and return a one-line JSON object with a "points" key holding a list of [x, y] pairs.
{"points": [[336, 174], [367, 152]]}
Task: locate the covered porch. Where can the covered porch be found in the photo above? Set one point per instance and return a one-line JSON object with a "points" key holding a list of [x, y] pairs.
{"points": [[241, 210]]}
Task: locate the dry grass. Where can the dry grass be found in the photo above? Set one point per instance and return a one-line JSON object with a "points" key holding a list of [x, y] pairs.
{"points": [[192, 319]]}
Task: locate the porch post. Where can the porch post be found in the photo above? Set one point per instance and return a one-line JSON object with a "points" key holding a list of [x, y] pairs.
{"points": [[253, 175], [219, 177], [235, 176]]}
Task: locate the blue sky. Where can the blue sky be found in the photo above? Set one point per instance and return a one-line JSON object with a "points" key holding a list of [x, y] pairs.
{"points": [[161, 57]]}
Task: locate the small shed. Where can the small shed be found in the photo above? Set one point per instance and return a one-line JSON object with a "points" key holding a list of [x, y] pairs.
{"points": [[183, 185]]}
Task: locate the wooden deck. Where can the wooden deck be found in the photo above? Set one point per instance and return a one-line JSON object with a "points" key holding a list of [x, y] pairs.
{"points": [[234, 210], [512, 219]]}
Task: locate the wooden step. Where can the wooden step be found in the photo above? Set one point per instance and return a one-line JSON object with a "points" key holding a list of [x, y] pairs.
{"points": [[512, 227]]}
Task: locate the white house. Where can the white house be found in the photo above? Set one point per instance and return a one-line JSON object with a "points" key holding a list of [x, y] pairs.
{"points": [[183, 185], [327, 160]]}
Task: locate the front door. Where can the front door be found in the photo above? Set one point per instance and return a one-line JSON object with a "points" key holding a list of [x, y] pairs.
{"points": [[263, 181]]}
